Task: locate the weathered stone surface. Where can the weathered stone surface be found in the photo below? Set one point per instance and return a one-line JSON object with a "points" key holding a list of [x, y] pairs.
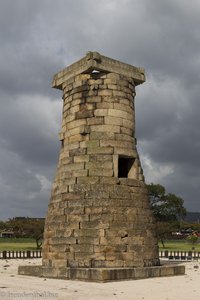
{"points": [[86, 180], [95, 121], [106, 128], [105, 105], [100, 150], [36, 270], [101, 112], [113, 121], [101, 172], [81, 158], [102, 135], [99, 274]]}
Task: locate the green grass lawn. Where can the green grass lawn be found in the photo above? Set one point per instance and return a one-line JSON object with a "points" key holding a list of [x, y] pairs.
{"points": [[181, 245], [17, 244]]}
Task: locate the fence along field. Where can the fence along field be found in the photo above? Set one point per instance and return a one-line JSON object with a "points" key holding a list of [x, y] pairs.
{"points": [[20, 254], [171, 255], [11, 248]]}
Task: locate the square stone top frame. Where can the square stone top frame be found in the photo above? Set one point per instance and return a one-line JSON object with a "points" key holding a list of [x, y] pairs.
{"points": [[93, 61]]}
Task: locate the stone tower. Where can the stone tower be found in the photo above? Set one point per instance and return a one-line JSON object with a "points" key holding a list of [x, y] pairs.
{"points": [[99, 214], [99, 225]]}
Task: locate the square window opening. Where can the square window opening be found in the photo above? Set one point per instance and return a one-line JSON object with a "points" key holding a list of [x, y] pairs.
{"points": [[124, 166]]}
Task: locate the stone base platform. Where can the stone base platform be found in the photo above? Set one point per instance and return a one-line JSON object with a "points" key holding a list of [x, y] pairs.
{"points": [[103, 274]]}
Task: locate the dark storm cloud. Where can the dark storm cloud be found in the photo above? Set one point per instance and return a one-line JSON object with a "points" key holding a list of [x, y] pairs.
{"points": [[38, 38], [29, 128], [26, 57]]}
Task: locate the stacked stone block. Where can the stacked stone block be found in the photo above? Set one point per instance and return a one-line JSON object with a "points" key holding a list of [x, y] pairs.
{"points": [[99, 214]]}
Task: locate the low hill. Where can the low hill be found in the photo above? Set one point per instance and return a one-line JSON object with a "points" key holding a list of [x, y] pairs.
{"points": [[192, 217]]}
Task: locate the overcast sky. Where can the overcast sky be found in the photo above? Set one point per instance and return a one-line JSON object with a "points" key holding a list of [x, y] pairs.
{"points": [[40, 37]]}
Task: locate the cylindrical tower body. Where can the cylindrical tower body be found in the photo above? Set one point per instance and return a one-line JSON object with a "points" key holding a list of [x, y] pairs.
{"points": [[99, 214]]}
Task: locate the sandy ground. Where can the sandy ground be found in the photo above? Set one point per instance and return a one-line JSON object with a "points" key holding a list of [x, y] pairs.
{"points": [[13, 286]]}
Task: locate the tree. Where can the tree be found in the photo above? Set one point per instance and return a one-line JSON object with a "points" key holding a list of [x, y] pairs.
{"points": [[164, 230], [166, 207], [168, 210], [28, 227], [193, 239], [3, 225]]}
